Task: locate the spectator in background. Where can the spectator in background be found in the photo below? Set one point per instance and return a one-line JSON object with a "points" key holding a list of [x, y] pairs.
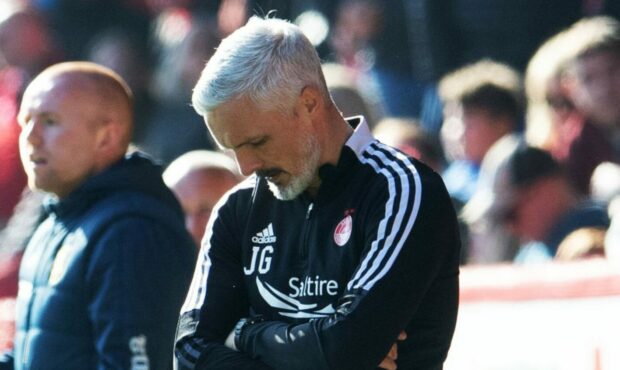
{"points": [[554, 123], [596, 70], [175, 128], [482, 103], [346, 93], [122, 52], [585, 242], [605, 182], [199, 179], [401, 44], [355, 25], [12, 176], [488, 241], [535, 202], [26, 46], [606, 188], [549, 104], [412, 43], [104, 275], [34, 49], [407, 135]]}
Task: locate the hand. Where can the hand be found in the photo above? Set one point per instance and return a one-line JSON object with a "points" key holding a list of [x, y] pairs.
{"points": [[389, 362]]}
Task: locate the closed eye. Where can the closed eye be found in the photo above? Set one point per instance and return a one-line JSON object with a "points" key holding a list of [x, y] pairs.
{"points": [[47, 121], [258, 143], [254, 142], [41, 119]]}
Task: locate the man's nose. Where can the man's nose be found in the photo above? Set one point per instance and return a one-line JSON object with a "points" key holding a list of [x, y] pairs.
{"points": [[31, 133], [248, 163]]}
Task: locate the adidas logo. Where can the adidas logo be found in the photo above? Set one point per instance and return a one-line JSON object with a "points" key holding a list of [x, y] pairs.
{"points": [[266, 236]]}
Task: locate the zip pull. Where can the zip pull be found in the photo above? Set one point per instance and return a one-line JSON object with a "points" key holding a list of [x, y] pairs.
{"points": [[309, 211]]}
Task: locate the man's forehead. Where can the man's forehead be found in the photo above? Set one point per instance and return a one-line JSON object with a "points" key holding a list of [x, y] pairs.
{"points": [[42, 92], [40, 85], [55, 84], [233, 123], [214, 130], [597, 57]]}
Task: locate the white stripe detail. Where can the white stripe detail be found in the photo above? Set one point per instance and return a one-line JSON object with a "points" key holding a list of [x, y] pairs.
{"points": [[198, 288], [397, 231], [389, 205], [377, 254]]}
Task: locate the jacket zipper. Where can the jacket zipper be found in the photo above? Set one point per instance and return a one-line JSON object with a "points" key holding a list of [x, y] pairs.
{"points": [[306, 232]]}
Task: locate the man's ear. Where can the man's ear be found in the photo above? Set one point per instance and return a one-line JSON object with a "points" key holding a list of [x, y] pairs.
{"points": [[309, 100], [108, 137]]}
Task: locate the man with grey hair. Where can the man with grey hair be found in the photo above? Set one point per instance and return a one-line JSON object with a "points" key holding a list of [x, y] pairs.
{"points": [[338, 252]]}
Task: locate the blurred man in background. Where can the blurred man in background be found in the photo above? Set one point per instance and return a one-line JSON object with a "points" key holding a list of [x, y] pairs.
{"points": [[104, 275], [199, 179]]}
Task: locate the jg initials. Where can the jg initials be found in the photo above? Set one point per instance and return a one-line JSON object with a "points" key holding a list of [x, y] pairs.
{"points": [[264, 260]]}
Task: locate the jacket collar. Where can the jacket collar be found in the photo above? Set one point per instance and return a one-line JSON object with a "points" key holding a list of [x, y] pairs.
{"points": [[362, 137], [333, 177]]}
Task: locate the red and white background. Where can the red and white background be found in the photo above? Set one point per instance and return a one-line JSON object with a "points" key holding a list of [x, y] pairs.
{"points": [[561, 316]]}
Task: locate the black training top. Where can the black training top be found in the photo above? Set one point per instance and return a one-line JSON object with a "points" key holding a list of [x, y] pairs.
{"points": [[336, 278]]}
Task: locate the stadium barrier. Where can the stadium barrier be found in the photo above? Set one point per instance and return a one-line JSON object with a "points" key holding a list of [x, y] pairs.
{"points": [[558, 316]]}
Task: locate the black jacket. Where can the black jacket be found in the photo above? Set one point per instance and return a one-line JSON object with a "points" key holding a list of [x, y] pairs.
{"points": [[336, 278], [104, 276]]}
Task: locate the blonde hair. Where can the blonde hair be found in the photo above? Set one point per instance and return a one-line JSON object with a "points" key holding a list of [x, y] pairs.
{"points": [[486, 84]]}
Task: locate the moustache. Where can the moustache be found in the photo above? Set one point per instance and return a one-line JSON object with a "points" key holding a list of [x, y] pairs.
{"points": [[269, 172]]}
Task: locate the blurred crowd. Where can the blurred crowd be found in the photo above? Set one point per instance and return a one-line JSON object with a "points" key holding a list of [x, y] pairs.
{"points": [[515, 102]]}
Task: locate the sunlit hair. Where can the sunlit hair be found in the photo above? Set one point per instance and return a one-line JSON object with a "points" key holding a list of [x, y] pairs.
{"points": [[492, 86], [268, 60], [549, 63], [596, 34]]}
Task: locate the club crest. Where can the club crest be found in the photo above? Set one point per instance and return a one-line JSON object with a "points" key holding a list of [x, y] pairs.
{"points": [[343, 231]]}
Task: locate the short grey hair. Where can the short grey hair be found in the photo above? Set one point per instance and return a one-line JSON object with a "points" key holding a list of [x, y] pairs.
{"points": [[268, 60]]}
